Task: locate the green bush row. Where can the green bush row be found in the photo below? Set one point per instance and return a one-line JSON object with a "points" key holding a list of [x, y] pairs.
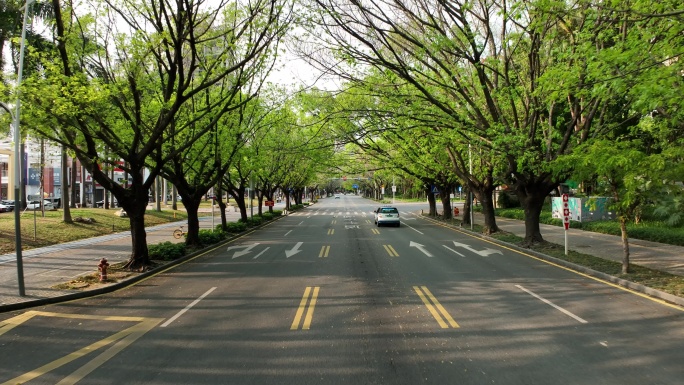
{"points": [[168, 251]]}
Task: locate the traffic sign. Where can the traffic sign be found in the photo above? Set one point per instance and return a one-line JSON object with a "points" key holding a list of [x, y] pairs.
{"points": [[566, 212]]}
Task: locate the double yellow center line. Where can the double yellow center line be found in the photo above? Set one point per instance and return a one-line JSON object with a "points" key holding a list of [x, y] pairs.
{"points": [[313, 291], [433, 305], [390, 250], [325, 250]]}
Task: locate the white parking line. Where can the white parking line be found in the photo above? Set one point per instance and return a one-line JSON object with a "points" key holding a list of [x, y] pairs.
{"points": [[551, 304]]}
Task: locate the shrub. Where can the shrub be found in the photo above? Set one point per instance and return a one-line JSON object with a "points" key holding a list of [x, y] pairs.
{"points": [[209, 237], [267, 216], [166, 251], [277, 213], [507, 200], [236, 227], [253, 221]]}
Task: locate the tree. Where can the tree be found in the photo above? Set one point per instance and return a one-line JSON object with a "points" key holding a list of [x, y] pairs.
{"points": [[129, 95], [622, 171], [516, 80]]}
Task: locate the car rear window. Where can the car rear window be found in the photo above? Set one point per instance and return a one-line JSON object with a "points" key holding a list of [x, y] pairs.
{"points": [[389, 211]]}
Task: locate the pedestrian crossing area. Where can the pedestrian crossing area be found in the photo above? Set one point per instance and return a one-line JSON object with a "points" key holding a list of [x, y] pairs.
{"points": [[335, 213]]}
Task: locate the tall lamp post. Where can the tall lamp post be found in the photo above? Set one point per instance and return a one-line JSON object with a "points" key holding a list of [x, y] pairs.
{"points": [[17, 162], [17, 208]]}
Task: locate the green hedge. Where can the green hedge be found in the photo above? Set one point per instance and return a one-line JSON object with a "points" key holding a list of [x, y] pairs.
{"points": [[166, 251]]}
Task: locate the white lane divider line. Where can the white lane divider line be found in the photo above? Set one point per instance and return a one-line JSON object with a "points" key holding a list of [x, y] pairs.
{"points": [[180, 313], [404, 223], [552, 304], [257, 256], [454, 251]]}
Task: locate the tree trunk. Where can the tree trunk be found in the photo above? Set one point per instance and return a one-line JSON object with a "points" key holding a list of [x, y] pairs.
{"points": [[174, 198], [192, 206], [446, 206], [74, 173], [467, 206], [485, 198], [135, 209], [532, 208], [431, 202], [532, 192], [222, 206], [625, 245], [66, 211]]}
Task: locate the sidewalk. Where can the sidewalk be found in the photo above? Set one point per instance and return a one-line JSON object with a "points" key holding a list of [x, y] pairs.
{"points": [[656, 256], [49, 266], [46, 267]]}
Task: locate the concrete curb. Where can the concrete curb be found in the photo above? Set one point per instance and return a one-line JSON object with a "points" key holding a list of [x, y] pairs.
{"points": [[129, 281], [582, 269]]}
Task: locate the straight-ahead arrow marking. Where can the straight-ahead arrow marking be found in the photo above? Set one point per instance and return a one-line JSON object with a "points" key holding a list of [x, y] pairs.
{"points": [[483, 253], [420, 247], [294, 250]]}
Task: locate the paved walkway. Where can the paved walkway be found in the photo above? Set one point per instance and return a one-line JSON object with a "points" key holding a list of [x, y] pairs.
{"points": [[657, 256], [48, 266]]}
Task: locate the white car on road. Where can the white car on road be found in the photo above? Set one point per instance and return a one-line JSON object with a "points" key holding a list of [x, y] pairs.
{"points": [[387, 215]]}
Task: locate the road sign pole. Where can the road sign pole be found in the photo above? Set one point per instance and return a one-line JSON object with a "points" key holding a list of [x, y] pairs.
{"points": [[566, 220]]}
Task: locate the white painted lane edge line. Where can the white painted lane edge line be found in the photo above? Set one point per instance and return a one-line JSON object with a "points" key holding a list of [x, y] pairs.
{"points": [[180, 313], [412, 228], [287, 233], [552, 304]]}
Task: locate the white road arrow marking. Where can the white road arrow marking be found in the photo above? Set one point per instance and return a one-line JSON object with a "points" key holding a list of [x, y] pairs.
{"points": [[247, 250], [450, 249], [420, 247], [483, 253], [293, 251]]}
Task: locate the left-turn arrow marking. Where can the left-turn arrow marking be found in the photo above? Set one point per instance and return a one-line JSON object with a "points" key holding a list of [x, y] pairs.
{"points": [[247, 250]]}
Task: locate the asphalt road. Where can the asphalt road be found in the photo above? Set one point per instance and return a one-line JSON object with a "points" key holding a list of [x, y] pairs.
{"points": [[326, 297]]}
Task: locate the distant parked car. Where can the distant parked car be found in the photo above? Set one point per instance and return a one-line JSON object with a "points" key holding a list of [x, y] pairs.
{"points": [[4, 208], [35, 205], [100, 204], [8, 203]]}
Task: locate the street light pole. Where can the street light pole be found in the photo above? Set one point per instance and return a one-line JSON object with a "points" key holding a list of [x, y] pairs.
{"points": [[17, 161], [470, 195]]}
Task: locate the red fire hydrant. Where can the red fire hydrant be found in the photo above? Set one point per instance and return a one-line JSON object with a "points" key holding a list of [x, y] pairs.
{"points": [[103, 269], [456, 212]]}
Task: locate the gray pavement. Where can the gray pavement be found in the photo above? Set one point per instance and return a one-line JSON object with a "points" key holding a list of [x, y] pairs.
{"points": [[657, 256], [46, 267]]}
